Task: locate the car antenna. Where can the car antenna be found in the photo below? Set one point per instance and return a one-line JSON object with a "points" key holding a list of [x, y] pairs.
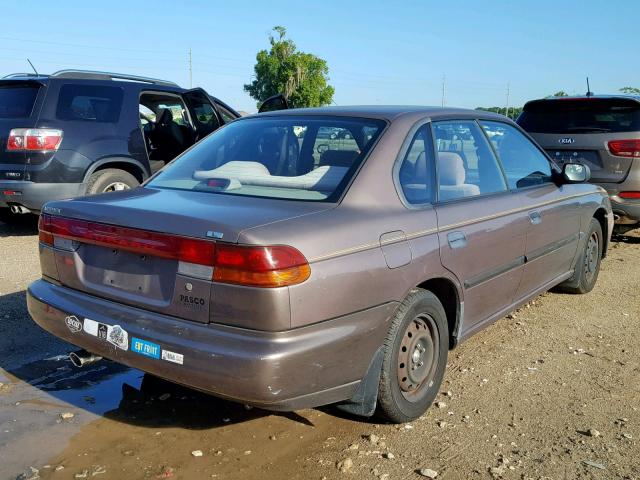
{"points": [[34, 68], [589, 92]]}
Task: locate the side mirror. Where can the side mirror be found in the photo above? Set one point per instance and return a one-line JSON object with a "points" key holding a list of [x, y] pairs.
{"points": [[271, 104], [575, 173]]}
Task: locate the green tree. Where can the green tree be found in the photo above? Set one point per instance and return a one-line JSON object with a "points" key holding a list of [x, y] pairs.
{"points": [[630, 90], [560, 93], [513, 112], [301, 77]]}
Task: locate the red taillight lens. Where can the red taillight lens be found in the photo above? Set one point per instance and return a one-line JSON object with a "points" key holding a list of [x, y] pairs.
{"points": [[274, 266], [269, 266], [134, 240], [630, 195], [625, 148], [34, 139]]}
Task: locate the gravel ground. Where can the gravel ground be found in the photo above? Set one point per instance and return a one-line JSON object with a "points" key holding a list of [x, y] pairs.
{"points": [[550, 392]]}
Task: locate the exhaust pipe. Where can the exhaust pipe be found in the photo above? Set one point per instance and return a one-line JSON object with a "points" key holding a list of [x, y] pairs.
{"points": [[19, 209], [82, 358]]}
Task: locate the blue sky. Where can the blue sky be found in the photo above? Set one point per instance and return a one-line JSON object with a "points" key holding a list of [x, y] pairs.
{"points": [[379, 52]]}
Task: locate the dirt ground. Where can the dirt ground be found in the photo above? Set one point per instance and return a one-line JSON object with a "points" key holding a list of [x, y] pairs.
{"points": [[550, 392]]}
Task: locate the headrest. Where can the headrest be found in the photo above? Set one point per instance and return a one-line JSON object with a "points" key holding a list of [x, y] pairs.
{"points": [[450, 168], [338, 158], [165, 116]]}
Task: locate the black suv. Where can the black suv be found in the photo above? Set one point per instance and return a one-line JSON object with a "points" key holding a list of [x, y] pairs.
{"points": [[78, 132]]}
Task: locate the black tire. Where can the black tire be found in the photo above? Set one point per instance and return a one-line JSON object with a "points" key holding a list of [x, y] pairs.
{"points": [[588, 264], [411, 378], [110, 179]]}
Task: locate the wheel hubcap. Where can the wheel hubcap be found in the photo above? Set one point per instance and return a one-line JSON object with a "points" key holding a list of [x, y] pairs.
{"points": [[418, 356], [116, 186], [591, 256]]}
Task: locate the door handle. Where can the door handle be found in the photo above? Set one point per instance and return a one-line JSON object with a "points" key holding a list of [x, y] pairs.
{"points": [[457, 239], [535, 218]]}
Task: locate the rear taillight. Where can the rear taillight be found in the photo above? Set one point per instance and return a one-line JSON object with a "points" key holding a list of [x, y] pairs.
{"points": [[263, 266], [630, 195], [625, 148], [34, 139], [273, 266]]}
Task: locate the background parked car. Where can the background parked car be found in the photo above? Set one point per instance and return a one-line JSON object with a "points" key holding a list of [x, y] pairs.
{"points": [[78, 132], [602, 132]]}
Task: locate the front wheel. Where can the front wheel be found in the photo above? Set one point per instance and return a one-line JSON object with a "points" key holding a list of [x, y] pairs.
{"points": [[415, 357], [110, 180], [588, 264]]}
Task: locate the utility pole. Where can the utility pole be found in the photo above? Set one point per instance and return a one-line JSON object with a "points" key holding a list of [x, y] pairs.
{"points": [[444, 90], [507, 108], [190, 71]]}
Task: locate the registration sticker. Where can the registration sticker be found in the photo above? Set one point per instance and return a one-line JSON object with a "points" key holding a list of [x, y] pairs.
{"points": [[173, 357], [145, 347]]}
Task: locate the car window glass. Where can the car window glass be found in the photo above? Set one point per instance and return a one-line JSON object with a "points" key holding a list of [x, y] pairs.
{"points": [[334, 138], [415, 173], [523, 163], [466, 164], [89, 103], [303, 158], [226, 115], [17, 101]]}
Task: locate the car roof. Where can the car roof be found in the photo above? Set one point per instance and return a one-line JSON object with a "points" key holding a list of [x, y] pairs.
{"points": [[386, 112], [614, 96]]}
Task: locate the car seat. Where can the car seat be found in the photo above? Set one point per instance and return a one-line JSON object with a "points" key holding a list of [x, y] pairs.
{"points": [[452, 175]]}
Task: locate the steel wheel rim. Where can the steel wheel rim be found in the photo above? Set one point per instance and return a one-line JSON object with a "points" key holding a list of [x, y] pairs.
{"points": [[116, 187], [418, 357], [591, 256]]}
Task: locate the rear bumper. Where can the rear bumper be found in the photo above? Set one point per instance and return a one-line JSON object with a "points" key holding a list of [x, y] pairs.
{"points": [[626, 211], [34, 195], [305, 367]]}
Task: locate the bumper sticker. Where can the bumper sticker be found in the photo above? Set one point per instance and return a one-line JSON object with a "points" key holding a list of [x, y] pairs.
{"points": [[146, 348], [172, 357], [114, 334], [73, 323]]}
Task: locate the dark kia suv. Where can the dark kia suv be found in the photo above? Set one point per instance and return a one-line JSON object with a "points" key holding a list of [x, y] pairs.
{"points": [[602, 132], [78, 132]]}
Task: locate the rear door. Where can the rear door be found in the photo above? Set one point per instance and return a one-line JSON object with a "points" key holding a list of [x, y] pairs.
{"points": [[580, 129], [553, 212], [203, 112], [481, 229], [19, 108]]}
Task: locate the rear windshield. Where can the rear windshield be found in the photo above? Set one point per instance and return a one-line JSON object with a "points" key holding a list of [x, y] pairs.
{"points": [[17, 101], [304, 158], [589, 115]]}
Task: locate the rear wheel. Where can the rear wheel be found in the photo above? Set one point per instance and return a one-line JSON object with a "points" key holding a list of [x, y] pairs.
{"points": [[415, 357], [110, 180], [588, 264]]}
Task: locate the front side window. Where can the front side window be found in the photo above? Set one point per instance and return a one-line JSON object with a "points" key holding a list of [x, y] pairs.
{"points": [[305, 158], [89, 103], [415, 173], [466, 165], [523, 163]]}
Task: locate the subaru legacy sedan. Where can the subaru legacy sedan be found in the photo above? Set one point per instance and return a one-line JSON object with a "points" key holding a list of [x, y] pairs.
{"points": [[306, 257]]}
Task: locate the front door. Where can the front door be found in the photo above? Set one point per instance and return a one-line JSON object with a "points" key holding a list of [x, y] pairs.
{"points": [[553, 213], [203, 113], [481, 225]]}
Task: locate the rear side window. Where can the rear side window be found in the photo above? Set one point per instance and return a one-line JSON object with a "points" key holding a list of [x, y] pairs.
{"points": [[585, 115], [90, 103], [17, 101], [416, 170], [466, 164], [523, 163]]}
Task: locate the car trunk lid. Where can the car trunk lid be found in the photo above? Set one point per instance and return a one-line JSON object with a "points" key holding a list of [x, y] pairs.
{"points": [[158, 280]]}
